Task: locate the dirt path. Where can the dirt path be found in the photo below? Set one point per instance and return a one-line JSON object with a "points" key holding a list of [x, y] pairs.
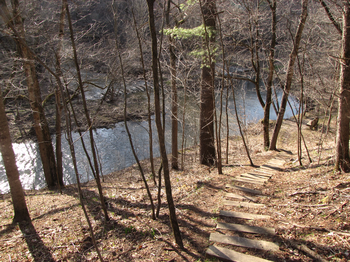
{"points": [[309, 205]]}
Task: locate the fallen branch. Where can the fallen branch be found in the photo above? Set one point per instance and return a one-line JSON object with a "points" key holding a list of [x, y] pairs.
{"points": [[306, 192], [307, 251]]}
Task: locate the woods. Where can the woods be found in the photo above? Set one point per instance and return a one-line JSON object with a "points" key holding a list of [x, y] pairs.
{"points": [[181, 74]]}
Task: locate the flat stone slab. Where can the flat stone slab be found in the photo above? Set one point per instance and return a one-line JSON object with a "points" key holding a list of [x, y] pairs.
{"points": [[244, 189], [243, 204], [231, 255], [248, 180], [255, 176], [243, 242], [240, 197], [242, 215], [276, 162], [260, 174], [246, 228], [271, 167], [264, 172]]}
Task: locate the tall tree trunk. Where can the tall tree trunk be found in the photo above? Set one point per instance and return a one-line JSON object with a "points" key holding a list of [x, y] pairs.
{"points": [[173, 218], [174, 116], [41, 126], [9, 159], [266, 121], [58, 97], [206, 135], [174, 104], [342, 146], [149, 115], [125, 115], [290, 71], [86, 111]]}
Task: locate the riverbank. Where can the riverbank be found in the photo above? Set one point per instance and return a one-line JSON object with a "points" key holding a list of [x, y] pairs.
{"points": [[103, 114], [318, 220]]}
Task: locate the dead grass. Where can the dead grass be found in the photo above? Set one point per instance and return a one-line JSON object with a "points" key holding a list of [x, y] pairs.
{"points": [[309, 204]]}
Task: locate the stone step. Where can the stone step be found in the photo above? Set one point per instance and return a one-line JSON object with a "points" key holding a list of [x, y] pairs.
{"points": [[255, 176], [243, 204], [231, 255], [244, 189], [240, 197], [271, 167], [260, 174], [242, 215], [263, 172], [276, 162], [246, 228], [243, 242], [247, 180]]}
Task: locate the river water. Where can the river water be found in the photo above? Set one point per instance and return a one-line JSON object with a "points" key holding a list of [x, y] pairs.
{"points": [[114, 147]]}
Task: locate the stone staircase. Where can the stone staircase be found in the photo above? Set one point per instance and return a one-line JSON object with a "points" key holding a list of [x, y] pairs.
{"points": [[245, 196]]}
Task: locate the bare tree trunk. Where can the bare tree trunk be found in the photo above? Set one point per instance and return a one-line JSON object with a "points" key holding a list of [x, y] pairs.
{"points": [[9, 159], [125, 122], [237, 119], [58, 97], [206, 136], [183, 126], [150, 134], [174, 104], [266, 121], [40, 124], [218, 136], [72, 150], [290, 71], [342, 144], [173, 218], [92, 142]]}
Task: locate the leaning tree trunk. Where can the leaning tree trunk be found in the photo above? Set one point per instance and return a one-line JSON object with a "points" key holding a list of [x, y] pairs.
{"points": [[206, 135], [290, 71], [342, 146], [8, 157], [173, 218], [88, 120], [41, 126], [149, 115]]}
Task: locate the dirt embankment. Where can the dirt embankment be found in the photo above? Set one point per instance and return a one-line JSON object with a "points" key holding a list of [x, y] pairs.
{"points": [[309, 206], [104, 114]]}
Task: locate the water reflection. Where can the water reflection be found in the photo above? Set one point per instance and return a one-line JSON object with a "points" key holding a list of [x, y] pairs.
{"points": [[113, 144]]}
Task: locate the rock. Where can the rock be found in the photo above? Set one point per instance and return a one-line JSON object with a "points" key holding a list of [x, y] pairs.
{"points": [[313, 124]]}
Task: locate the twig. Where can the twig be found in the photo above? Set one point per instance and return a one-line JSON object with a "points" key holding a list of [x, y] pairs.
{"points": [[339, 209], [306, 192], [306, 250]]}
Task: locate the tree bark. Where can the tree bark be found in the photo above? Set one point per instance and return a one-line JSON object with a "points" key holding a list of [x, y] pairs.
{"points": [[86, 111], [173, 218], [149, 115], [174, 104], [266, 120], [58, 97], [9, 159], [290, 71], [206, 135], [342, 144], [40, 124]]}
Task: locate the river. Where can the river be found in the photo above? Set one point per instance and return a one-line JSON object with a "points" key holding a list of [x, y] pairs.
{"points": [[113, 144]]}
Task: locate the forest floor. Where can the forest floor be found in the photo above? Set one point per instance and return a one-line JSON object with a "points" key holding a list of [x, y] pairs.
{"points": [[308, 204]]}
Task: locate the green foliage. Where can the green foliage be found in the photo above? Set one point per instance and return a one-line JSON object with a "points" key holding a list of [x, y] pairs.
{"points": [[185, 33], [128, 230], [153, 232], [188, 4]]}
